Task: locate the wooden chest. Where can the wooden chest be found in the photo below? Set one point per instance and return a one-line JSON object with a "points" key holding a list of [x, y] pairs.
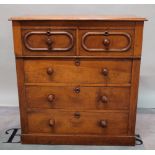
{"points": [[78, 78]]}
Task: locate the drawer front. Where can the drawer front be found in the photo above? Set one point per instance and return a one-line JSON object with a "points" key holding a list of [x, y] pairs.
{"points": [[106, 42], [49, 42], [61, 97], [71, 122], [81, 71]]}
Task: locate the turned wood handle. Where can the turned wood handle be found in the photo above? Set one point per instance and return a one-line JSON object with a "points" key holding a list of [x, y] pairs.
{"points": [[50, 71], [77, 90], [49, 43], [106, 42], [104, 99], [51, 97], [51, 122], [103, 123], [105, 71]]}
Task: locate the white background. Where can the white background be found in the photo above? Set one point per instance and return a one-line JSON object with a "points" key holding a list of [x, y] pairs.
{"points": [[8, 85]]}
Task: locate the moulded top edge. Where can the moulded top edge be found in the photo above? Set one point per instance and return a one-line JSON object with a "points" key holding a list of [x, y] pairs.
{"points": [[104, 18]]}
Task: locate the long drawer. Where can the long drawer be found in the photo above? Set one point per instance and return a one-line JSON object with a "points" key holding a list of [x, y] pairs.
{"points": [[78, 71], [78, 97], [77, 122]]}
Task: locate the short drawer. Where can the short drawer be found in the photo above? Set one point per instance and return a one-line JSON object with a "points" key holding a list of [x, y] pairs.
{"points": [[49, 41], [77, 122], [78, 97], [107, 42], [78, 71]]}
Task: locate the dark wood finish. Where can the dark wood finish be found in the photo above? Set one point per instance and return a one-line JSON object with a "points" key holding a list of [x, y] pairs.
{"points": [[78, 78]]}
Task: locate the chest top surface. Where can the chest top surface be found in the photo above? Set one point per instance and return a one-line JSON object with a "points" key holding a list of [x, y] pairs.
{"points": [[76, 17]]}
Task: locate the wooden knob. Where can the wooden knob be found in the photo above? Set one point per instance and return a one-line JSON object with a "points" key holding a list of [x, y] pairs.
{"points": [[50, 71], [51, 97], [52, 123], [104, 99], [103, 123], [77, 114], [49, 43], [105, 71], [77, 90], [106, 42]]}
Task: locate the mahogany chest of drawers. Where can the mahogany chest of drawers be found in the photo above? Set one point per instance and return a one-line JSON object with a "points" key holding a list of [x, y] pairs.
{"points": [[78, 78]]}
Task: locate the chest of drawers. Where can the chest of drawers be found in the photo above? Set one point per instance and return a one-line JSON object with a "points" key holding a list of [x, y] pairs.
{"points": [[78, 78]]}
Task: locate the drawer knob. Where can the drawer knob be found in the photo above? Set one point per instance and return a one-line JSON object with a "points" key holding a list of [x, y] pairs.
{"points": [[103, 123], [77, 90], [51, 97], [106, 42], [104, 99], [105, 71], [52, 123], [49, 43], [77, 114], [50, 71]]}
